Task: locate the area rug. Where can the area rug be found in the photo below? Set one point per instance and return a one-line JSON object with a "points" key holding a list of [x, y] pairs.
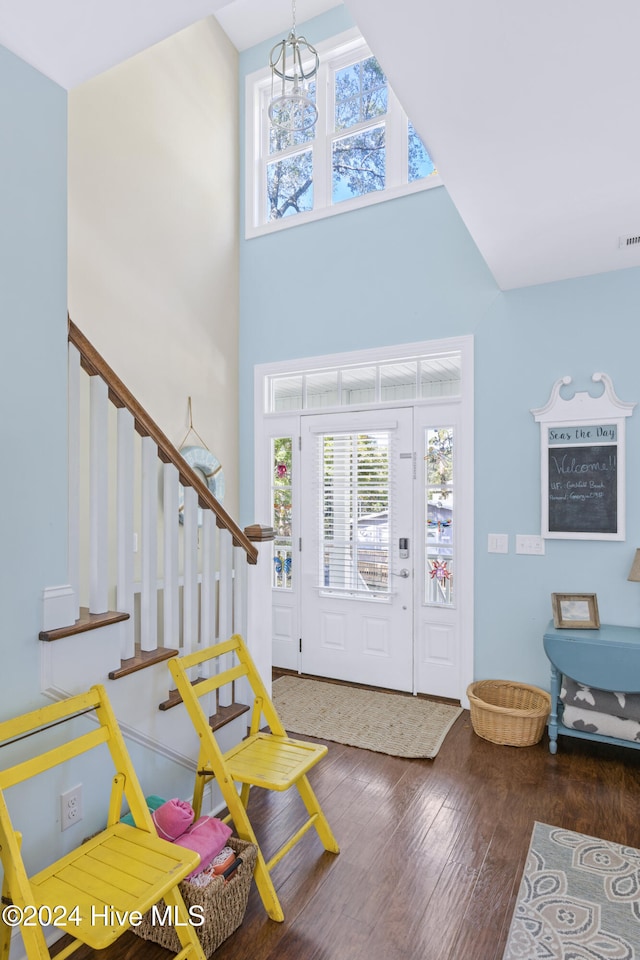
{"points": [[579, 899], [397, 724]]}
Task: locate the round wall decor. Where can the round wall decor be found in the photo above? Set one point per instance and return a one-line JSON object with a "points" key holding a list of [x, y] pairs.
{"points": [[210, 471]]}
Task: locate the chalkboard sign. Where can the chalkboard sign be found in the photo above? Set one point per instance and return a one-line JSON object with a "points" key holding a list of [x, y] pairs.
{"points": [[583, 489], [582, 449]]}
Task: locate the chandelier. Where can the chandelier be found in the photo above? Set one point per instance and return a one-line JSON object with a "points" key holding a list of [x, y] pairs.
{"points": [[291, 108]]}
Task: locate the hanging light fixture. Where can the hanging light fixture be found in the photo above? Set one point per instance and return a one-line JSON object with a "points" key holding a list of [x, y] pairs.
{"points": [[291, 108]]}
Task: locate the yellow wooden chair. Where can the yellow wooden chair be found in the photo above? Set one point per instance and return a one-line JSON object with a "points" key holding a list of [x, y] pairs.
{"points": [[94, 891], [270, 760]]}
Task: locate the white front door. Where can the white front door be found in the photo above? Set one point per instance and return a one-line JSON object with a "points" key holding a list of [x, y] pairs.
{"points": [[357, 547]]}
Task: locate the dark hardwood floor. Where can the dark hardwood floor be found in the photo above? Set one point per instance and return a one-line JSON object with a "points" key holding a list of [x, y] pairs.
{"points": [[432, 851]]}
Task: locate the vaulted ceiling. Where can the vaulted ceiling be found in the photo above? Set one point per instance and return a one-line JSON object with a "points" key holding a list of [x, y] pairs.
{"points": [[530, 109]]}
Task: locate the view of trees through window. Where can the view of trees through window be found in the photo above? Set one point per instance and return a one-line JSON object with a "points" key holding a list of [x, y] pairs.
{"points": [[357, 148]]}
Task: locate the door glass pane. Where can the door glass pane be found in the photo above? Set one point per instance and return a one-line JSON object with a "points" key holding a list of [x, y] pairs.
{"points": [[285, 393], [322, 389], [355, 489], [398, 381], [439, 556], [358, 385], [281, 459]]}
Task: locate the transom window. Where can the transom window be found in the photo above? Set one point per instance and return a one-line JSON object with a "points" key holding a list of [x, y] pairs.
{"points": [[390, 381], [362, 149]]}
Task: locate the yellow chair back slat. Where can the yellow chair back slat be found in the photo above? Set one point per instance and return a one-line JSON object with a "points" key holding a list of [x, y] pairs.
{"points": [[121, 871], [52, 758], [270, 760]]}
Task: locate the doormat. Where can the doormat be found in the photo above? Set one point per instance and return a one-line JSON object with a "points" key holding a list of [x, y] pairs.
{"points": [[579, 897], [393, 723]]}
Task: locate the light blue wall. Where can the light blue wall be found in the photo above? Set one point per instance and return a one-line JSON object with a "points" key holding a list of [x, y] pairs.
{"points": [[33, 315], [407, 270], [33, 440]]}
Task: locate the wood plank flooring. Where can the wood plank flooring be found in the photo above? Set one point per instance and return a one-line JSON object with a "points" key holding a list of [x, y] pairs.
{"points": [[432, 851]]}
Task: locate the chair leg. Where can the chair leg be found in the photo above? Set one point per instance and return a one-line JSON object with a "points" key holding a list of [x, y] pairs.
{"points": [[244, 795], [261, 874], [323, 829], [186, 931], [5, 929]]}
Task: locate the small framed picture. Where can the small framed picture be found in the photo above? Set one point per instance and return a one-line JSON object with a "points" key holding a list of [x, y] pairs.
{"points": [[578, 611]]}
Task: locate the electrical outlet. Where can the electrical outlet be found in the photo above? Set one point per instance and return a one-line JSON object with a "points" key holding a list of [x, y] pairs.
{"points": [[71, 807]]}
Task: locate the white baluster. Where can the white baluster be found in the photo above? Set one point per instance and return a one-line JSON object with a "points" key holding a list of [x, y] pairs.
{"points": [[242, 689], [149, 546], [190, 588], [74, 473], [171, 596], [99, 497], [124, 511], [208, 590], [225, 696], [208, 597]]}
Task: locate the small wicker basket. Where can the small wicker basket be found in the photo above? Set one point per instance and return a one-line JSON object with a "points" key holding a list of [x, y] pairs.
{"points": [[513, 714], [222, 902]]}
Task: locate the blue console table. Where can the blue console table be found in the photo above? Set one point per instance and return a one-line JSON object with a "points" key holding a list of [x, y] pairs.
{"points": [[608, 658]]}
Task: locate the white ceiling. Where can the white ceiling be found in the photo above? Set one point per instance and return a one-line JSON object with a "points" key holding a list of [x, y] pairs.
{"points": [[530, 108]]}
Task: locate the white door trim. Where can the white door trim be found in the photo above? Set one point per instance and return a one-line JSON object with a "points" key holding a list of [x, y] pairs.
{"points": [[465, 507]]}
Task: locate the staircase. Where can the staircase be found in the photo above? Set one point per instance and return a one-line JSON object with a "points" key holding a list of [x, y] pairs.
{"points": [[147, 580]]}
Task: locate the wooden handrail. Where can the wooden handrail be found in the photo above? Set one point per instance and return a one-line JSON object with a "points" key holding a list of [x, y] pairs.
{"points": [[121, 396]]}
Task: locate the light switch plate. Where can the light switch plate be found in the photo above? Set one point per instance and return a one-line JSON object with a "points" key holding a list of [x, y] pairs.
{"points": [[498, 543], [529, 544]]}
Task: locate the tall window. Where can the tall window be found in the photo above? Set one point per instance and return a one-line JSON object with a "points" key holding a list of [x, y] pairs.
{"points": [[362, 148], [281, 479], [439, 515]]}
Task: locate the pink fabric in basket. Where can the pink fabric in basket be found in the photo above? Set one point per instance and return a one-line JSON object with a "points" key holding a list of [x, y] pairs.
{"points": [[207, 836], [173, 818]]}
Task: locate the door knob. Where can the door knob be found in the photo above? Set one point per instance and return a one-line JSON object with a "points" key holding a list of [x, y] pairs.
{"points": [[404, 573]]}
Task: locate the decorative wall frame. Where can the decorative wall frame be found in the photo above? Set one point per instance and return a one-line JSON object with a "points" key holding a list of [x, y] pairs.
{"points": [[582, 459], [575, 611]]}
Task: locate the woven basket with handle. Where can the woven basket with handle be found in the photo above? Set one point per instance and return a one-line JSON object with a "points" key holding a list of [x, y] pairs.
{"points": [[510, 713]]}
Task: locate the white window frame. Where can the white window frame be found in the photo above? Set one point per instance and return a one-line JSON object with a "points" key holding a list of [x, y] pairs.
{"points": [[335, 54]]}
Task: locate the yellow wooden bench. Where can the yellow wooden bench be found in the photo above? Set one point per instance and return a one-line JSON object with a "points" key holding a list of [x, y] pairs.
{"points": [[98, 889], [270, 760]]}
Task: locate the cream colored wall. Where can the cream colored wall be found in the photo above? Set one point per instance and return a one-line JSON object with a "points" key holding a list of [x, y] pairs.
{"points": [[153, 232]]}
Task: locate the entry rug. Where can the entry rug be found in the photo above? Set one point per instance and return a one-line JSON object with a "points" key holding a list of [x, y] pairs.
{"points": [[397, 724], [579, 900]]}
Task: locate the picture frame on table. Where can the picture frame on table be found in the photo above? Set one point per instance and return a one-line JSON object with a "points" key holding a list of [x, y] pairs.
{"points": [[577, 611]]}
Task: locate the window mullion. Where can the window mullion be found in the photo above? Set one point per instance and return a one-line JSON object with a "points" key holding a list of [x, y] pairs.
{"points": [[321, 164], [396, 173]]}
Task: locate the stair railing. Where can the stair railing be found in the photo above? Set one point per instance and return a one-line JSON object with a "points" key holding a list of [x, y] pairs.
{"points": [[182, 584]]}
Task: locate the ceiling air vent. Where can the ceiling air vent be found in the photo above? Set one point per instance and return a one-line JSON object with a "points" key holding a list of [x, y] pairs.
{"points": [[632, 241]]}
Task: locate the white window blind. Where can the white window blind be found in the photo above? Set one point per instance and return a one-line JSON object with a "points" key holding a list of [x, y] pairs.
{"points": [[355, 490]]}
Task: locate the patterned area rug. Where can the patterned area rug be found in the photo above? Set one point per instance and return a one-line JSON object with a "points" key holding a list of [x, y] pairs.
{"points": [[397, 724], [579, 900]]}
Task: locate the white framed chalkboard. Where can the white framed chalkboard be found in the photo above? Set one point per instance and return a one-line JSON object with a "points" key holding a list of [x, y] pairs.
{"points": [[582, 456]]}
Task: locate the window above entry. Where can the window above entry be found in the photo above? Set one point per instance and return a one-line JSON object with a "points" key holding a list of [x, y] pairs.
{"points": [[361, 150]]}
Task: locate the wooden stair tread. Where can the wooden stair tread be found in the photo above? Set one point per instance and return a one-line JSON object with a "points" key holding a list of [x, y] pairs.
{"points": [[222, 716], [142, 659], [86, 621]]}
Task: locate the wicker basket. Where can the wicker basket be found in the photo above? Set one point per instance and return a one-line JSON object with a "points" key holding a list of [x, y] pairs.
{"points": [[223, 905], [502, 711]]}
